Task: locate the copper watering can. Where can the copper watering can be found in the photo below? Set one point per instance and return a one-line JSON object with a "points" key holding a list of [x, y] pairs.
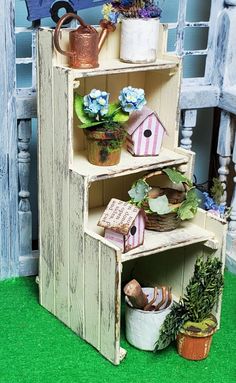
{"points": [[85, 42]]}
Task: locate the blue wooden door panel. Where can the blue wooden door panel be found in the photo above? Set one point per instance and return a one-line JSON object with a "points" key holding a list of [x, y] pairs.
{"points": [[38, 9]]}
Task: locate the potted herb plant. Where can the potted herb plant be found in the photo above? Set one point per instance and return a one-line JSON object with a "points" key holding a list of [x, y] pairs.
{"points": [[139, 28], [103, 122], [191, 321], [165, 207]]}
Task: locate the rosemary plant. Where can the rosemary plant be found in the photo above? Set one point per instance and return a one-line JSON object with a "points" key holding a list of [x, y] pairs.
{"points": [[202, 293]]}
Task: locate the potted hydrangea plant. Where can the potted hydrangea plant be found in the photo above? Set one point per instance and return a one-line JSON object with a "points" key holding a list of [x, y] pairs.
{"points": [[103, 122], [139, 28]]}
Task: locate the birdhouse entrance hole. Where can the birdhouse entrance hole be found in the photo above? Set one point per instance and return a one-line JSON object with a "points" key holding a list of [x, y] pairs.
{"points": [[133, 230], [147, 133]]}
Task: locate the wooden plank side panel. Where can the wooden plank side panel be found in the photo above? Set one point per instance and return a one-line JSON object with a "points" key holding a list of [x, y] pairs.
{"points": [[78, 191], [191, 253], [110, 304], [92, 304], [219, 228], [159, 86], [63, 108], [46, 172]]}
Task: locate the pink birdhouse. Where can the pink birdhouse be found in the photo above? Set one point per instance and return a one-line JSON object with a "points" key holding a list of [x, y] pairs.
{"points": [[124, 224], [145, 133]]}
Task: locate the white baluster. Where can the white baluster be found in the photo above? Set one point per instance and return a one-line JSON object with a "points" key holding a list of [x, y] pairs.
{"points": [[231, 235], [223, 175], [224, 151], [25, 216], [188, 123]]}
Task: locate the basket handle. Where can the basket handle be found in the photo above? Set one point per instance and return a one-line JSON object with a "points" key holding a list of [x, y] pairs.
{"points": [[161, 173]]}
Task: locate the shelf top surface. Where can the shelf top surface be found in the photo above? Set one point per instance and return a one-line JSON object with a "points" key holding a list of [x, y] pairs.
{"points": [[113, 66], [156, 242], [128, 164]]}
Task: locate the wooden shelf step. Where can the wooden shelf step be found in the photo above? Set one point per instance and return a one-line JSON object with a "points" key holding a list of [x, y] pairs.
{"points": [[157, 242], [114, 66], [128, 164]]}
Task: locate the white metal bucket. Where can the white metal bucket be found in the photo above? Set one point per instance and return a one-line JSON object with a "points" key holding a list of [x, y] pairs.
{"points": [[139, 37], [143, 327]]}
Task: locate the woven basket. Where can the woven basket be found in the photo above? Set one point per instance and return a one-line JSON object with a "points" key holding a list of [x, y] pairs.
{"points": [[169, 221]]}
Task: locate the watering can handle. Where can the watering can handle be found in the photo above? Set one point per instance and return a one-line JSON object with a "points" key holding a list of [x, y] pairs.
{"points": [[58, 28]]}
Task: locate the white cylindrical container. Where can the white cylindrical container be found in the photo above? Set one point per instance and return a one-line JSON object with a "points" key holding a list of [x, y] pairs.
{"points": [[143, 327], [139, 39]]}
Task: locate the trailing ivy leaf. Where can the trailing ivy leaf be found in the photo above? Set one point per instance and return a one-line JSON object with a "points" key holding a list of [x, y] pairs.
{"points": [[186, 211], [139, 191], [79, 110], [159, 205], [188, 208], [176, 177]]}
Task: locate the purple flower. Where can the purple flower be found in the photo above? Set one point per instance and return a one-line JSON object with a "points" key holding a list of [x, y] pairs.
{"points": [[212, 206], [150, 11]]}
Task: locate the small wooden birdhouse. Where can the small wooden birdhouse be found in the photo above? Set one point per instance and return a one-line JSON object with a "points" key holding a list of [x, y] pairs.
{"points": [[124, 224], [145, 133]]}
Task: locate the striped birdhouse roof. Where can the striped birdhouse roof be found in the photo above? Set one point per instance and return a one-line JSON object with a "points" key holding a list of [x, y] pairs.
{"points": [[119, 216], [137, 118]]}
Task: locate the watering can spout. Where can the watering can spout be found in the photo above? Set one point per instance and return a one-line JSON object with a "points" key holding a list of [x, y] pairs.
{"points": [[107, 26]]}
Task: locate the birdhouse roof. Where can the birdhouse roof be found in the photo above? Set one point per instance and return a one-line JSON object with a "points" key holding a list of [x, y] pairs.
{"points": [[119, 216], [137, 118]]}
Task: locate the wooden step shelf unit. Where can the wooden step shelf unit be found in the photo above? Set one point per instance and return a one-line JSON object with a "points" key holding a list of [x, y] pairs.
{"points": [[81, 273]]}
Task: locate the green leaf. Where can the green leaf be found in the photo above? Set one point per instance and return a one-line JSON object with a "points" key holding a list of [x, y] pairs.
{"points": [[159, 205], [188, 208], [176, 177], [79, 110], [121, 116], [139, 191], [112, 108], [217, 190]]}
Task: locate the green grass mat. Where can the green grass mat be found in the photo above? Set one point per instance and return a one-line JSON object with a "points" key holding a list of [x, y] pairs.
{"points": [[36, 347]]}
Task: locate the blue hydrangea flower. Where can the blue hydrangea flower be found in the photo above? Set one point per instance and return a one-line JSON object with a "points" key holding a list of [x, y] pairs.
{"points": [[132, 99], [113, 17], [96, 102], [126, 3], [211, 205]]}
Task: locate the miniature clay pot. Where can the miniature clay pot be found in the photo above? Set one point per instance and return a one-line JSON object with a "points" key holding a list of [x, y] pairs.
{"points": [[194, 345], [104, 147]]}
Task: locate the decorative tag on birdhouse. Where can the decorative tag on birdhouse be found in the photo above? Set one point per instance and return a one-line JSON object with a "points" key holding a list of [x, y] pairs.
{"points": [[145, 133], [124, 224]]}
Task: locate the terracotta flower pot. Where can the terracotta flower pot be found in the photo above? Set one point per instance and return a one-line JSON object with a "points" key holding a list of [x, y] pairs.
{"points": [[104, 147], [195, 345]]}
